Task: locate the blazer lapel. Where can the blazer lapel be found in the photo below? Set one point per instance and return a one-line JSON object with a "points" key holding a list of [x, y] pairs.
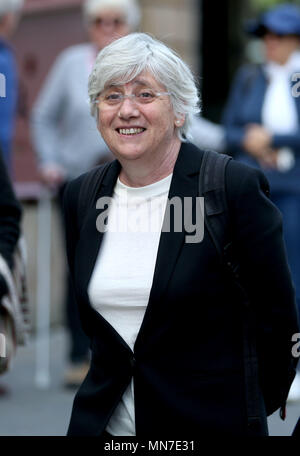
{"points": [[91, 239], [184, 184]]}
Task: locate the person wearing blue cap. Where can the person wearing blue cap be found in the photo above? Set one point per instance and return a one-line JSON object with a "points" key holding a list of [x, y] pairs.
{"points": [[262, 122]]}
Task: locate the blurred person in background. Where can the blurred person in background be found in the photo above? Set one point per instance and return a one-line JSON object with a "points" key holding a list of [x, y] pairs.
{"points": [[66, 140], [262, 122], [65, 137], [9, 17]]}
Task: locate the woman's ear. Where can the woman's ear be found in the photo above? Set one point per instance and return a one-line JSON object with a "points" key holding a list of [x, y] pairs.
{"points": [[179, 121]]}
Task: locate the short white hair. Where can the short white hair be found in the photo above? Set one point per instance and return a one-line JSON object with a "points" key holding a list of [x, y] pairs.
{"points": [[124, 59], [130, 8], [10, 6]]}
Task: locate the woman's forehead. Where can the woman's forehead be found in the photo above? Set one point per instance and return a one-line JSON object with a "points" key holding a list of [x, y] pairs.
{"points": [[145, 78], [111, 12]]}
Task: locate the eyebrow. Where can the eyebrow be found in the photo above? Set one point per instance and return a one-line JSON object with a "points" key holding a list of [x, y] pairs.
{"points": [[136, 82], [141, 82]]}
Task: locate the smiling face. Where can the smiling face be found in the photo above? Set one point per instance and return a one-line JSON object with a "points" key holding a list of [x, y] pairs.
{"points": [[138, 130]]}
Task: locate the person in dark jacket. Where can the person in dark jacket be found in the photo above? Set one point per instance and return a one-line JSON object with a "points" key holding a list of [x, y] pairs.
{"points": [[165, 320], [10, 216], [262, 122]]}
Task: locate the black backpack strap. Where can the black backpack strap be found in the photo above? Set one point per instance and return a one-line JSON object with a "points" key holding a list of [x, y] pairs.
{"points": [[88, 190], [217, 223], [212, 188]]}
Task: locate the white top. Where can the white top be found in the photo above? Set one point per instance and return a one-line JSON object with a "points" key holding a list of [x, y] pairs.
{"points": [[122, 278], [279, 113]]}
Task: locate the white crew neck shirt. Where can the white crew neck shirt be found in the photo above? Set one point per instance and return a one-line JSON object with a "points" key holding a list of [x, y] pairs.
{"points": [[121, 281]]}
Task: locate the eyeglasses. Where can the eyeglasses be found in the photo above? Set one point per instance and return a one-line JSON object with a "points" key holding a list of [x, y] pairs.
{"points": [[141, 98]]}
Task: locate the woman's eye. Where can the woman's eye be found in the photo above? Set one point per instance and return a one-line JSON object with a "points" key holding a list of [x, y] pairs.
{"points": [[113, 96], [118, 22], [146, 95]]}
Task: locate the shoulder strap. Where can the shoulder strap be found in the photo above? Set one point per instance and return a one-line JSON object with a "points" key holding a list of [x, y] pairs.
{"points": [[88, 190], [212, 188]]}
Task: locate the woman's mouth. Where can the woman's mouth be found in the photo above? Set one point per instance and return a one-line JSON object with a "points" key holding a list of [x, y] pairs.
{"points": [[130, 131]]}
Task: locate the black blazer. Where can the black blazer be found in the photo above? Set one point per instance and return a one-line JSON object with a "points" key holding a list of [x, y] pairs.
{"points": [[187, 363]]}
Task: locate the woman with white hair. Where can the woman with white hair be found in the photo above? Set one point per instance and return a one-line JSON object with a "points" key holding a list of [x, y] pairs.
{"points": [[169, 327], [66, 140], [9, 15]]}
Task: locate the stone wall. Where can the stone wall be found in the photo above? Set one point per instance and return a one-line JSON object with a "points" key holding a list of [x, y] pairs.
{"points": [[176, 22]]}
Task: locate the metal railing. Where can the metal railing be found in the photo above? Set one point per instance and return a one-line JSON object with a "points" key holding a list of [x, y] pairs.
{"points": [[43, 196]]}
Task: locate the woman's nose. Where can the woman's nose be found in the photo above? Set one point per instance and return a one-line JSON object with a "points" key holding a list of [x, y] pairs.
{"points": [[108, 27], [128, 108]]}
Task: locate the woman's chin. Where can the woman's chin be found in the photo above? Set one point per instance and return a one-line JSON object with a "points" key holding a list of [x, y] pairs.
{"points": [[131, 154]]}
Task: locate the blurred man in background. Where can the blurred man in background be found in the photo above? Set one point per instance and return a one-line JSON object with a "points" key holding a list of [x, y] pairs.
{"points": [[9, 16]]}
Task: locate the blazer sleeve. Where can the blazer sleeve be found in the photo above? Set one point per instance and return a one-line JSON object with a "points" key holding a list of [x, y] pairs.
{"points": [[265, 273], [72, 234]]}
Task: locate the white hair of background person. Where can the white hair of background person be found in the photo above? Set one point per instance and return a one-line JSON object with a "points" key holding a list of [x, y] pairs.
{"points": [[131, 9], [125, 58], [10, 6]]}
